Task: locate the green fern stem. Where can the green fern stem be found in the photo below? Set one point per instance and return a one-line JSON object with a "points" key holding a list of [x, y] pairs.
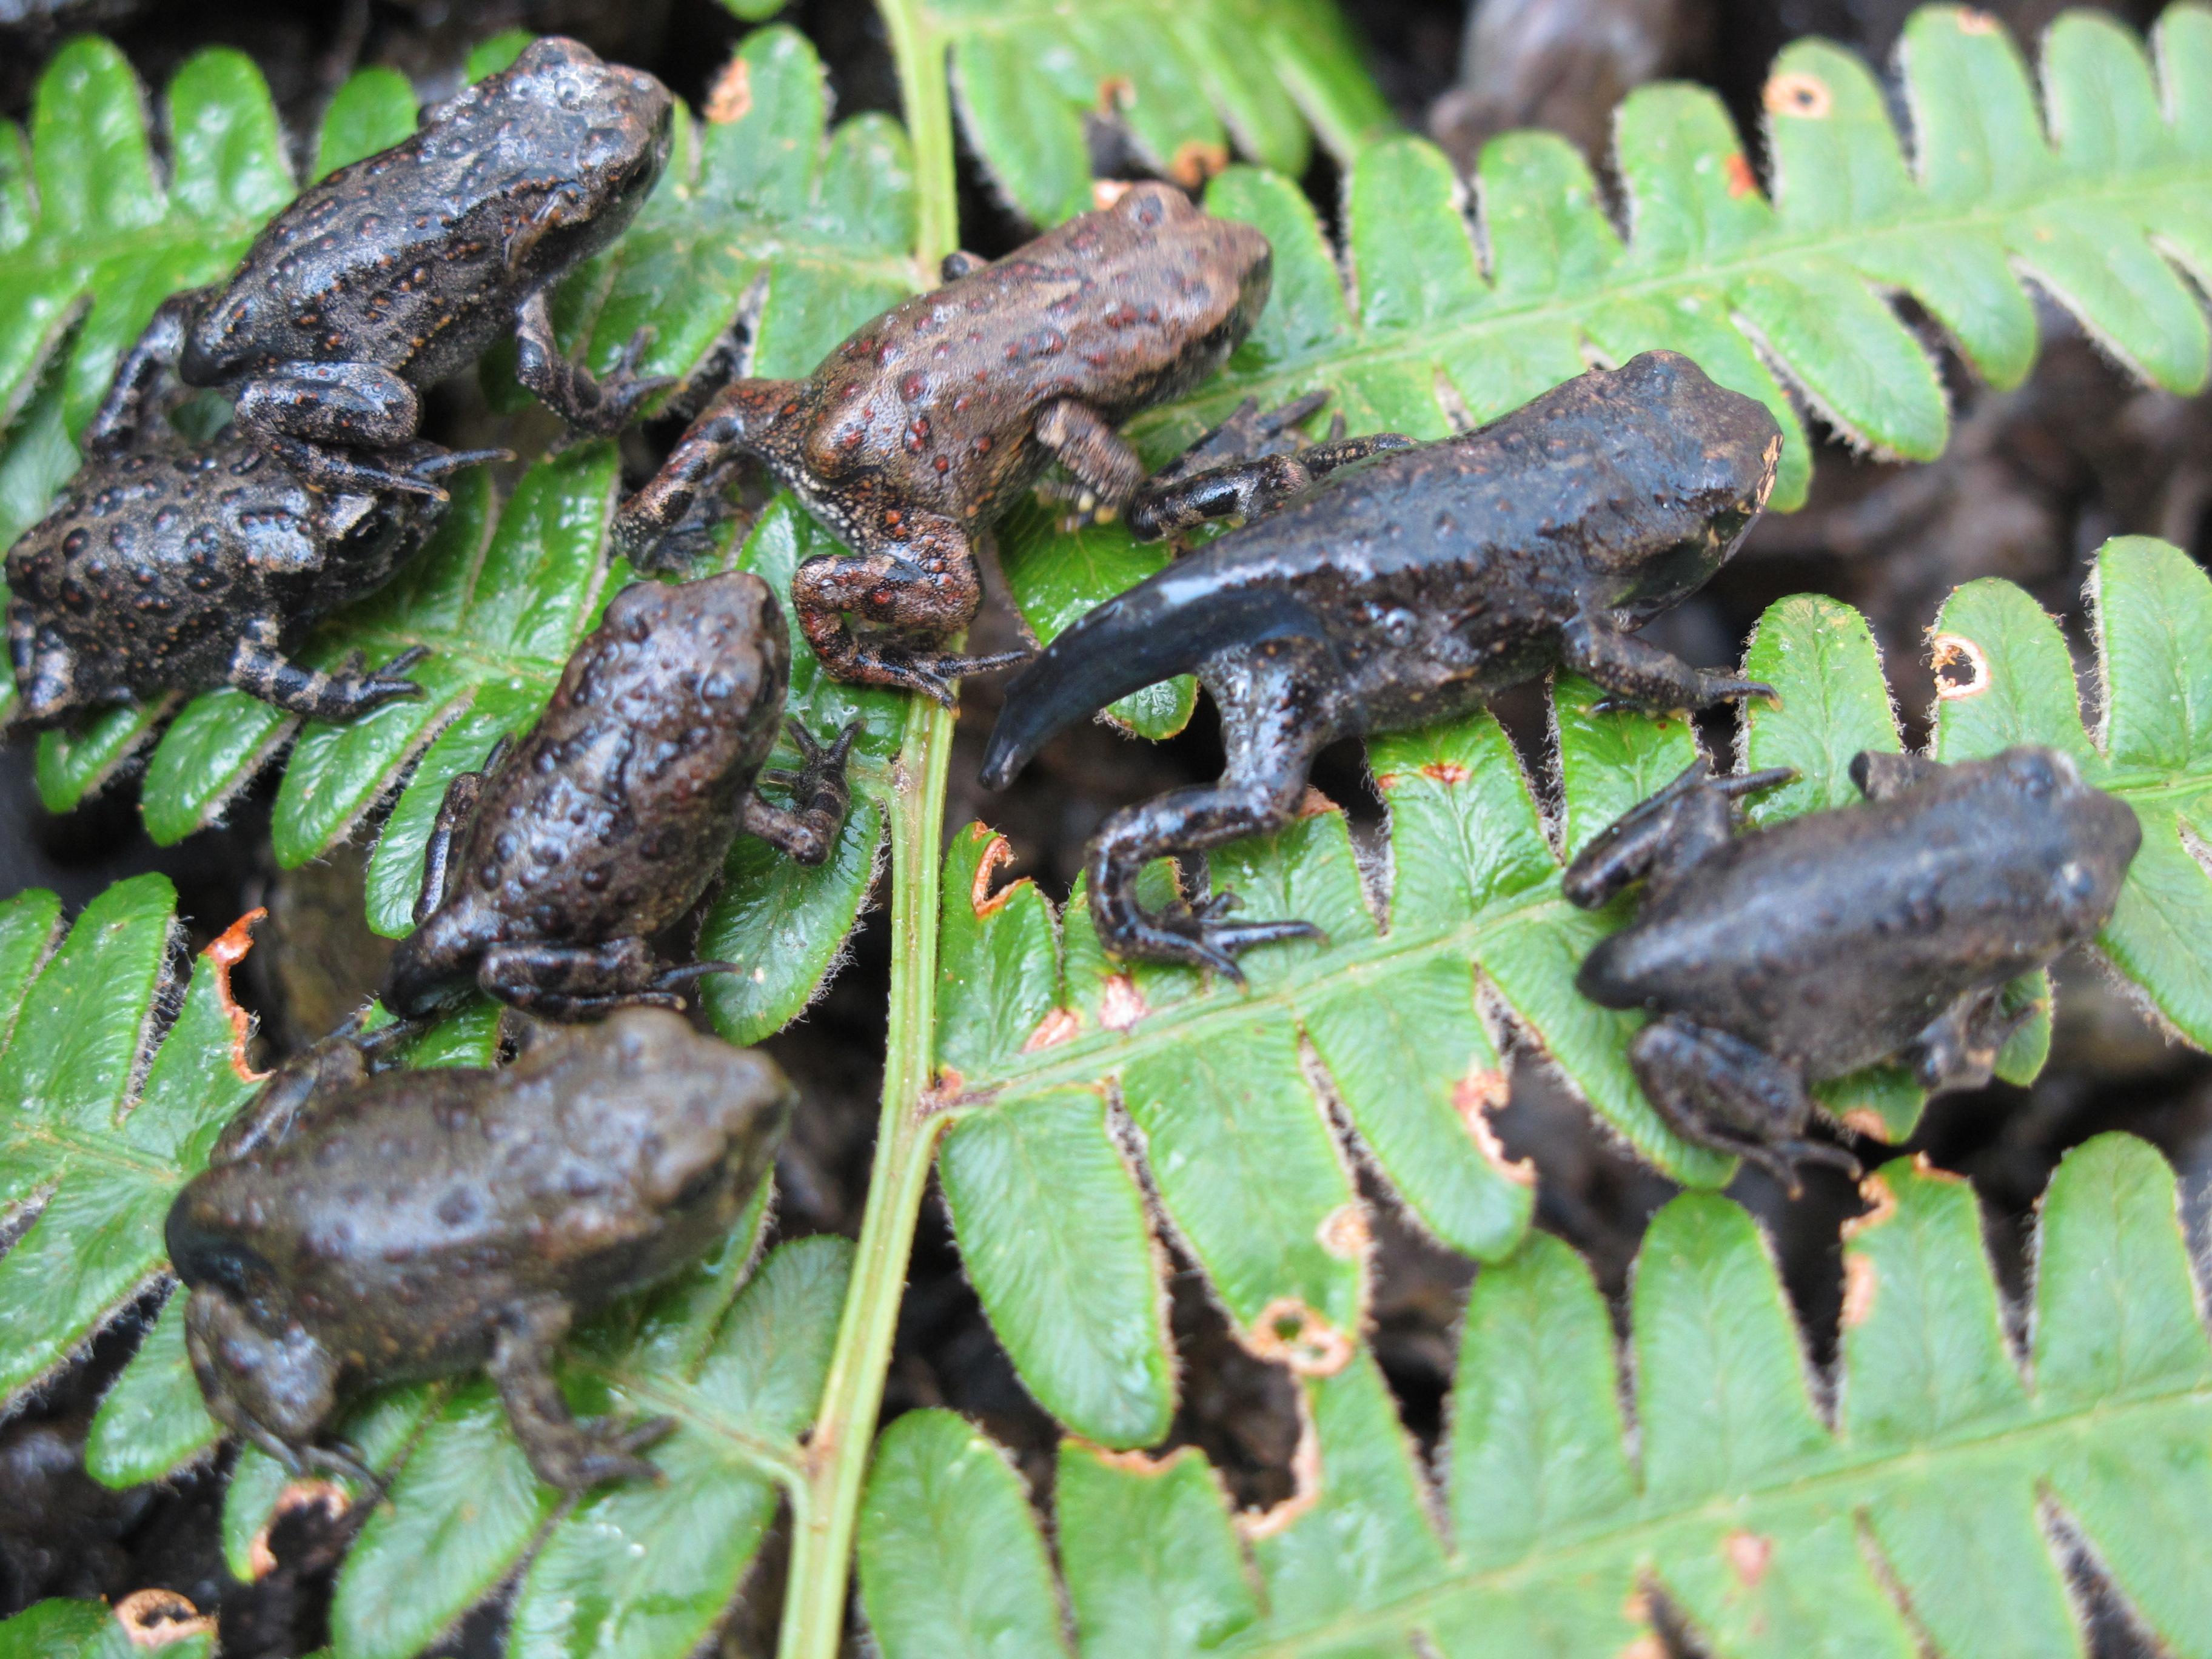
{"points": [[906, 1143], [907, 1131], [919, 54]]}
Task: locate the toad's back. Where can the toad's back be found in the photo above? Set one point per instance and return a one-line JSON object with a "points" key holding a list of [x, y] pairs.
{"points": [[658, 726], [1834, 938], [1117, 310], [415, 258], [1606, 484], [384, 261]]}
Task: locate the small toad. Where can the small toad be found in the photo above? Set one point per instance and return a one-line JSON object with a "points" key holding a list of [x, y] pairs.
{"points": [[916, 433], [1398, 590], [1809, 948], [550, 871], [358, 1229], [168, 565], [406, 266]]}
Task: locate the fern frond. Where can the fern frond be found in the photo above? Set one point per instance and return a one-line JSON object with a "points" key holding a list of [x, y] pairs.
{"points": [[1070, 1095], [1925, 1515], [2096, 198]]}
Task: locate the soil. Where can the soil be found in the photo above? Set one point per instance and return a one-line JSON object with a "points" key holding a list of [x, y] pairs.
{"points": [[2034, 480]]}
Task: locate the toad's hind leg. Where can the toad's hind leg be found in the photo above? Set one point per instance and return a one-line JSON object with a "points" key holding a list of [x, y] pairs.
{"points": [[1272, 728], [1721, 1092], [260, 670], [563, 1452], [665, 523], [318, 418], [922, 587], [1636, 674], [577, 981]]}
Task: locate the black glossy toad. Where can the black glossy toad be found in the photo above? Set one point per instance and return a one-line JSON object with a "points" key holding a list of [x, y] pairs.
{"points": [[1399, 591], [1809, 948]]}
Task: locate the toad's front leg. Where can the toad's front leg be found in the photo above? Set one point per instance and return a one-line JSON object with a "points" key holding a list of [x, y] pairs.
{"points": [[1716, 1089], [1635, 674], [920, 587], [1959, 1048], [601, 407], [276, 1391], [669, 520], [581, 982], [820, 797], [1250, 464], [563, 1452]]}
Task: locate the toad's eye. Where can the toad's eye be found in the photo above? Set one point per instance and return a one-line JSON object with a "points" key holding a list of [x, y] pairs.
{"points": [[2073, 884], [701, 1188], [204, 1257]]}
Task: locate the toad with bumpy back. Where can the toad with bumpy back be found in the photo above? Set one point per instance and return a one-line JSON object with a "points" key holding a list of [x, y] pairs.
{"points": [[1401, 591], [1810, 948], [550, 871], [173, 565], [914, 435], [405, 267], [354, 1230]]}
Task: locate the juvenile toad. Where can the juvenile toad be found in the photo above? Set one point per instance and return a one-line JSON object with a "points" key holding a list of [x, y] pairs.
{"points": [[173, 565], [550, 871], [354, 1230], [915, 435], [405, 267], [1812, 947], [1400, 591]]}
